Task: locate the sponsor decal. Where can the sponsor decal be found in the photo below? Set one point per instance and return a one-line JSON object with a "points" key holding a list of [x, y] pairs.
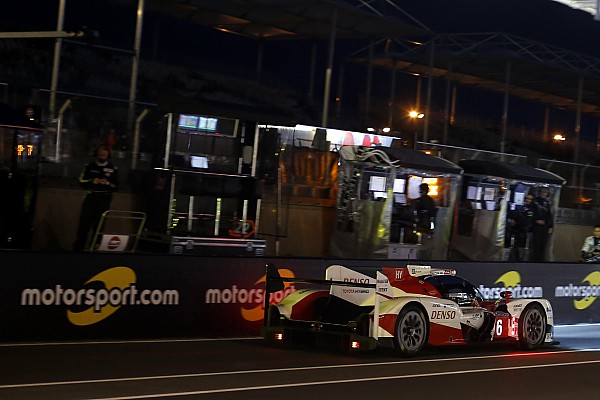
{"points": [[99, 297], [585, 294], [435, 314], [251, 300], [354, 291], [357, 280], [399, 274], [113, 243], [511, 281]]}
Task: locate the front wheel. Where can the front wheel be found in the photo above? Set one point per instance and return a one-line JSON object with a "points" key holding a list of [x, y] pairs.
{"points": [[532, 327], [411, 331]]}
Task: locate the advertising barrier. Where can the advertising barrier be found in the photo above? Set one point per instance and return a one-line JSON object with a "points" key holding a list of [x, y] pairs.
{"points": [[73, 296]]}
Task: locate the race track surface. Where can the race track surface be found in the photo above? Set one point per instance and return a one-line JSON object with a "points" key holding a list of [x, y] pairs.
{"points": [[248, 369]]}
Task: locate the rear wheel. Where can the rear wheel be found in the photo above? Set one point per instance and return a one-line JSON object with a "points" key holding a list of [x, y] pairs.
{"points": [[411, 331], [532, 327]]}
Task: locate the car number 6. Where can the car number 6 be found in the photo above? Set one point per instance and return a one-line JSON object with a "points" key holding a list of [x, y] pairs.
{"points": [[499, 327]]}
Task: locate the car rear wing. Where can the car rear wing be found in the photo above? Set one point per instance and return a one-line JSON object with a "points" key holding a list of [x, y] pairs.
{"points": [[274, 282]]}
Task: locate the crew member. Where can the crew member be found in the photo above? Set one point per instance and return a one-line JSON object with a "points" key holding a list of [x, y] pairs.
{"points": [[520, 222], [590, 252], [424, 210], [543, 226], [101, 178]]}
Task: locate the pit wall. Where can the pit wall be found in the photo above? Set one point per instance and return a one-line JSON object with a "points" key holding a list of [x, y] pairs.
{"points": [[75, 296], [306, 226], [57, 215]]}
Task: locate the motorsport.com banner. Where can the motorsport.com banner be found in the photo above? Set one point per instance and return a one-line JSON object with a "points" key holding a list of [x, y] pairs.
{"points": [[72, 296]]}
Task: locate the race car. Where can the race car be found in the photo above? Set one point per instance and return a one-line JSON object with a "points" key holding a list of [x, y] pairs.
{"points": [[405, 308]]}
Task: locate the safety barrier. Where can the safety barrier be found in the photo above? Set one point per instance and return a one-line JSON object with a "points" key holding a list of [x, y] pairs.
{"points": [[72, 296]]}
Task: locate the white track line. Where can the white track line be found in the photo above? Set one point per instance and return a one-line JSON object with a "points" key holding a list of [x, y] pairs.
{"points": [[133, 341], [291, 369], [341, 381]]}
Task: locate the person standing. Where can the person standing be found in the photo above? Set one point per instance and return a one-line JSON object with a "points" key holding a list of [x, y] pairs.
{"points": [[424, 210], [543, 226], [520, 222], [590, 251], [101, 178]]}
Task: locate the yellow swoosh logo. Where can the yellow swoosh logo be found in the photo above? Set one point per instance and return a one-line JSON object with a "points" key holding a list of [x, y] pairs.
{"points": [[118, 277], [510, 279], [594, 280]]}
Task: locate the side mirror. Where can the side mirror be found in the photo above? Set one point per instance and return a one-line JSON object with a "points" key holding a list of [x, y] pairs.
{"points": [[507, 294]]}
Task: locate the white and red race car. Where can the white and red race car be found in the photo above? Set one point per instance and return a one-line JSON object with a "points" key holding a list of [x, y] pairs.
{"points": [[406, 308]]}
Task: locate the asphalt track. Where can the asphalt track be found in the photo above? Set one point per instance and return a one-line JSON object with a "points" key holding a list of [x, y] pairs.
{"points": [[248, 369]]}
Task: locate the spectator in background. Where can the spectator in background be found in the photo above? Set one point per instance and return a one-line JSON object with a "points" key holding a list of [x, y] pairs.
{"points": [[543, 226], [424, 210], [101, 179], [590, 252]]}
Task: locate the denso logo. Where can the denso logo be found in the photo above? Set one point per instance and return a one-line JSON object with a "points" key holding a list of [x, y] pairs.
{"points": [[357, 280], [117, 289], [443, 314], [587, 294], [512, 282], [252, 299]]}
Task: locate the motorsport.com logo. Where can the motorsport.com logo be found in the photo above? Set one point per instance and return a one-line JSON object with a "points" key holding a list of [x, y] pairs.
{"points": [[518, 292]]}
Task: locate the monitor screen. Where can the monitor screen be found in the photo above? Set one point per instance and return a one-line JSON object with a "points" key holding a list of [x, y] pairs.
{"points": [[377, 183], [400, 198], [471, 192], [197, 123], [399, 185], [207, 124], [489, 194], [199, 162], [188, 121]]}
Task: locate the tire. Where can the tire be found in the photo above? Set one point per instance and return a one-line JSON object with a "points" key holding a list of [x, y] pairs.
{"points": [[532, 327], [411, 332]]}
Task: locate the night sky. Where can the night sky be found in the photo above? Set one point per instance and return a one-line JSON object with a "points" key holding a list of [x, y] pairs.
{"points": [[287, 63]]}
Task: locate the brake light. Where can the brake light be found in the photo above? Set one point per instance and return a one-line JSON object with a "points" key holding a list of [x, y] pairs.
{"points": [[279, 337], [355, 345]]}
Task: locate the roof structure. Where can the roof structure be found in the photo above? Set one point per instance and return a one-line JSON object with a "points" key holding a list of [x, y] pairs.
{"points": [[298, 19], [510, 171], [410, 158], [538, 72]]}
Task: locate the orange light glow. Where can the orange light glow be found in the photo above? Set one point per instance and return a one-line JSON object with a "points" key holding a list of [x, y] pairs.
{"points": [[433, 186], [28, 149]]}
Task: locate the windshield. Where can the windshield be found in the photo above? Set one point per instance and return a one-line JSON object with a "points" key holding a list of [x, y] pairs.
{"points": [[455, 288]]}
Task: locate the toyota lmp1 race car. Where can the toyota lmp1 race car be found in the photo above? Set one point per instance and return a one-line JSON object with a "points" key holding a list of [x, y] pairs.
{"points": [[404, 308]]}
